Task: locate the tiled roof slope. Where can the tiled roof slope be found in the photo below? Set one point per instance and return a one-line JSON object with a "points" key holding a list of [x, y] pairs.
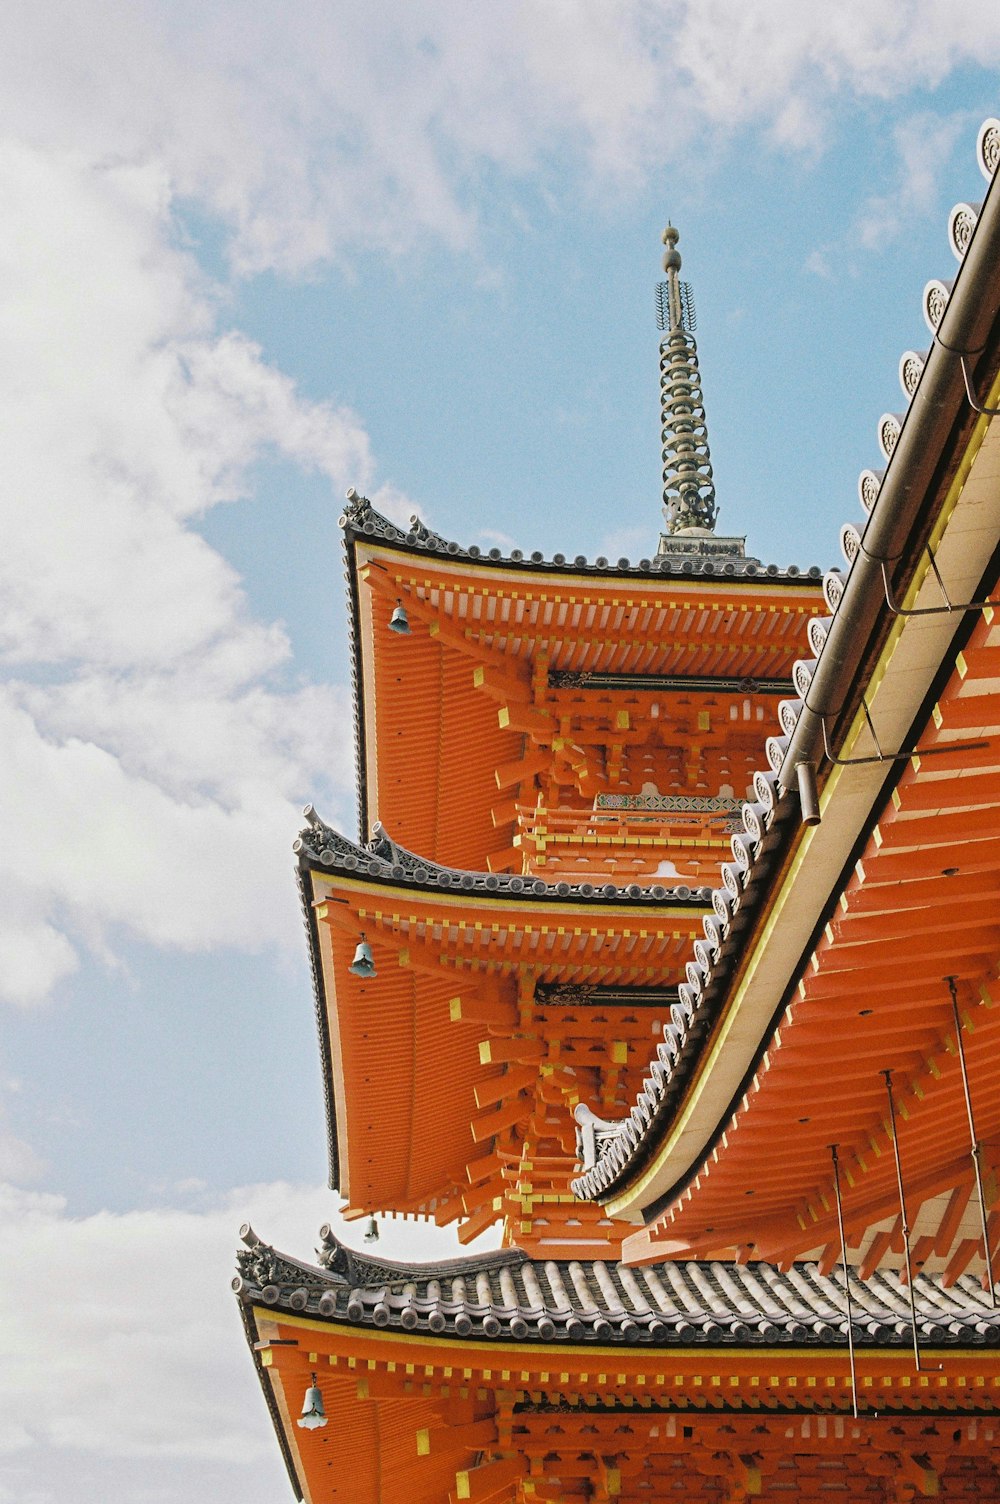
{"points": [[361, 521], [503, 1295]]}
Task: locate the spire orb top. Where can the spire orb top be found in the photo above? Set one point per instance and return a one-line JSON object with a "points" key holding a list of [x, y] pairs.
{"points": [[671, 256]]}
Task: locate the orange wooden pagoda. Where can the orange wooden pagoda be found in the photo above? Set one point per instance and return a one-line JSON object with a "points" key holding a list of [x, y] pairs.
{"points": [[535, 946], [739, 1130]]}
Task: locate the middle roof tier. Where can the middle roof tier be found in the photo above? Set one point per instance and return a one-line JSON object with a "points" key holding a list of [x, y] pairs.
{"points": [[462, 1017]]}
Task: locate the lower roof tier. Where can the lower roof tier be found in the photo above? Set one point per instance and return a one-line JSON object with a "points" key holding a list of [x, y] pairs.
{"points": [[499, 1377], [504, 1295]]}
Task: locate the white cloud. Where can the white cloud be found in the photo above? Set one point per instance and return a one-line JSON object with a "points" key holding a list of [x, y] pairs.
{"points": [[153, 727], [124, 413], [318, 126], [19, 1164], [395, 505], [783, 65], [819, 263], [154, 741], [101, 846], [34, 955], [921, 147], [154, 748], [141, 1357]]}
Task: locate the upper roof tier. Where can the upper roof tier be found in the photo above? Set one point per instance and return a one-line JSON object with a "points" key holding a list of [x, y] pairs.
{"points": [[511, 678]]}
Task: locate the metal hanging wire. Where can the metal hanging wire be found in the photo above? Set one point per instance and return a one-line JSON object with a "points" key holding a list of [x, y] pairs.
{"points": [[847, 1279], [977, 407], [976, 1150], [950, 607], [903, 1219], [880, 756]]}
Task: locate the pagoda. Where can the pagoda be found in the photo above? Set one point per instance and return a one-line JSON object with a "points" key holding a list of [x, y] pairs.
{"points": [[736, 1125]]}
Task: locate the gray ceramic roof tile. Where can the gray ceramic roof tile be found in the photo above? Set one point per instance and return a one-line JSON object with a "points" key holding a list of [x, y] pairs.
{"points": [[503, 1295], [322, 848], [361, 522]]}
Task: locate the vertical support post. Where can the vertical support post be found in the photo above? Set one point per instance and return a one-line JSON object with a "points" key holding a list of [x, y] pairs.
{"points": [[903, 1218], [976, 1150], [847, 1279]]}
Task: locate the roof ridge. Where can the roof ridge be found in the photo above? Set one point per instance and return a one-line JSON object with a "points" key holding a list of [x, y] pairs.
{"points": [[361, 520], [382, 857]]}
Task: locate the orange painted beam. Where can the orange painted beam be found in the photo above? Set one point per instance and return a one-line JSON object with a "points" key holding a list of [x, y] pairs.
{"points": [[889, 977], [916, 792], [507, 774], [487, 1125], [929, 830], [935, 892], [968, 713], [934, 937], [961, 757], [948, 1225], [502, 1087], [892, 866], [502, 680]]}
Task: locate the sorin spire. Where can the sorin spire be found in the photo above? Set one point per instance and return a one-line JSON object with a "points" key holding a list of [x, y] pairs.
{"points": [[689, 506]]}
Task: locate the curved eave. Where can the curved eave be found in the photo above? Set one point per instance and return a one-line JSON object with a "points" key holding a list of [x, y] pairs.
{"points": [[939, 487], [361, 523], [747, 1001], [353, 882], [322, 849], [392, 1350]]}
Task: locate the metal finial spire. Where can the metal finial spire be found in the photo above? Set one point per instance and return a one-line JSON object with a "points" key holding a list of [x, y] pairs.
{"points": [[688, 488]]}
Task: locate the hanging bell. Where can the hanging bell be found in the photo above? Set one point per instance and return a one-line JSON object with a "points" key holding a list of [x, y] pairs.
{"points": [[313, 1414], [399, 621], [363, 964], [371, 1231]]}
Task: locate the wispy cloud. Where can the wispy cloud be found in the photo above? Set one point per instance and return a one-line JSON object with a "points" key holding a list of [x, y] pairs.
{"points": [[923, 144], [151, 723], [141, 1357]]}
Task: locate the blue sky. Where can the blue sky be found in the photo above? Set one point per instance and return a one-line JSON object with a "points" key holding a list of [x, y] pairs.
{"points": [[253, 256]]}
